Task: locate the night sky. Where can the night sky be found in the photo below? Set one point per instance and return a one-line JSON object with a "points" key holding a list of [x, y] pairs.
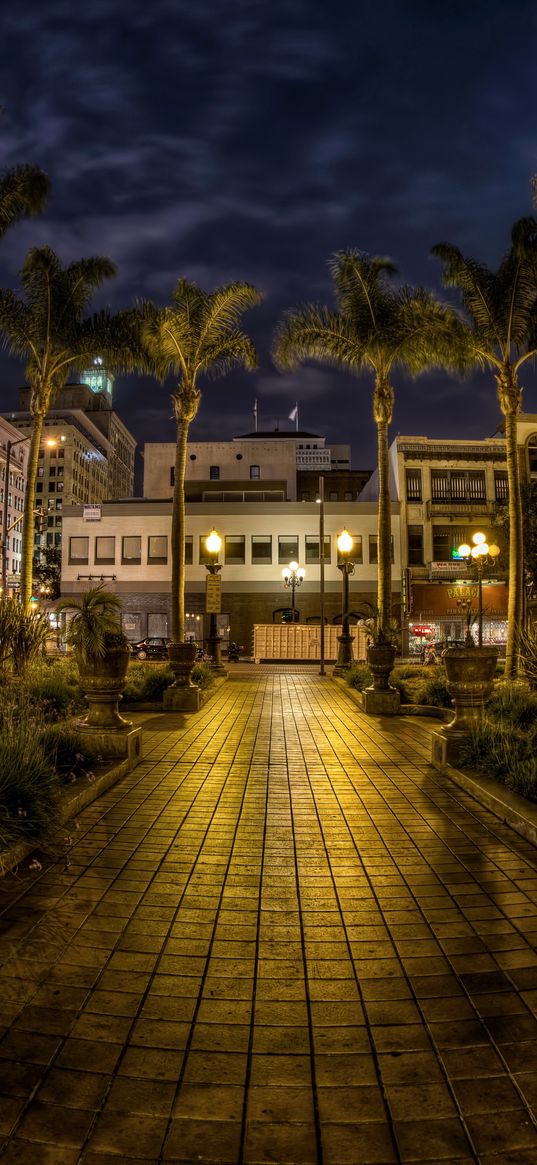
{"points": [[250, 139]]}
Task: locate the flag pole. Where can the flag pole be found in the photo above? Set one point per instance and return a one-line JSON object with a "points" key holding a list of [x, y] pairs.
{"points": [[296, 418]]}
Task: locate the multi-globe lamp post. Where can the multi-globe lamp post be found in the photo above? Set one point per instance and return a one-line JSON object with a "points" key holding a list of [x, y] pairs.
{"points": [[480, 555], [293, 577], [345, 657]]}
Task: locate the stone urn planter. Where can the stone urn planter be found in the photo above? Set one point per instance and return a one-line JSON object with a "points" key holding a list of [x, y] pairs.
{"points": [[102, 681], [470, 672], [381, 698], [183, 694], [102, 654]]}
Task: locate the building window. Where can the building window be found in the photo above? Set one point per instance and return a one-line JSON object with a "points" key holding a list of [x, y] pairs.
{"points": [[172, 475], [234, 549], [79, 551], [458, 486], [501, 486], [204, 557], [105, 550], [415, 545], [413, 485], [261, 549], [157, 549], [446, 539], [347, 497], [189, 550], [312, 549], [255, 473], [287, 549], [304, 497], [373, 550], [356, 554], [214, 473], [131, 550], [333, 495], [532, 455]]}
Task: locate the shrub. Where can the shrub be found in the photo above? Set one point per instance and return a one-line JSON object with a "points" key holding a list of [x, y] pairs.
{"points": [[505, 753], [58, 695], [432, 689], [202, 674], [359, 676], [512, 703], [398, 679], [145, 682], [63, 748], [29, 786]]}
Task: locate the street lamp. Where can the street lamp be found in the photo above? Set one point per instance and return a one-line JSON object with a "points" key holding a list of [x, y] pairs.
{"points": [[213, 545], [293, 576], [479, 555], [345, 657]]}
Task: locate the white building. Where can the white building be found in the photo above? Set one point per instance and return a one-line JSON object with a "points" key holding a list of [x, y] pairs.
{"points": [[12, 490]]}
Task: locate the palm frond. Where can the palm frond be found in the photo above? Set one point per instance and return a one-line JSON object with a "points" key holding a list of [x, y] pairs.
{"points": [[315, 333], [476, 283], [362, 288], [24, 191], [232, 349], [223, 308]]}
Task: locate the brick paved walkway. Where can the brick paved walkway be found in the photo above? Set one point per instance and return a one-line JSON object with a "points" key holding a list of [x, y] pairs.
{"points": [[283, 938]]}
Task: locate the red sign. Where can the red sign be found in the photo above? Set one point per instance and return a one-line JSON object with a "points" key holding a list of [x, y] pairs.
{"points": [[422, 630]]}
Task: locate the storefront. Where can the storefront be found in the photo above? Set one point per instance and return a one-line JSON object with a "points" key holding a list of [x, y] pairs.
{"points": [[442, 610]]}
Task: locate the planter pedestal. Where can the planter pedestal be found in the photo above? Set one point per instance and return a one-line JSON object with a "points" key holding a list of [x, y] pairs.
{"points": [[470, 672], [182, 695], [381, 699]]}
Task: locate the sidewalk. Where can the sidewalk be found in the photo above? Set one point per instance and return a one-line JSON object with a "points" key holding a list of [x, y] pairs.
{"points": [[283, 938]]}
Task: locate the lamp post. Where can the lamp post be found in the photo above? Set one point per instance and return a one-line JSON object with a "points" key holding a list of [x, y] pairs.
{"points": [[480, 555], [345, 658], [214, 544], [293, 576]]}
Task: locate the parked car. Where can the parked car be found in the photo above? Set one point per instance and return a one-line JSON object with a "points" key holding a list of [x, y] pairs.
{"points": [[154, 647]]}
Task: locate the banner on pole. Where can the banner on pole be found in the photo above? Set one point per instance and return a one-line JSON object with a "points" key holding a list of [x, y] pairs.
{"points": [[213, 594]]}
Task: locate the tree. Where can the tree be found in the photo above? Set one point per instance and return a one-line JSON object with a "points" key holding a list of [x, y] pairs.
{"points": [[197, 334], [377, 328], [24, 191], [502, 334], [47, 571], [48, 328]]}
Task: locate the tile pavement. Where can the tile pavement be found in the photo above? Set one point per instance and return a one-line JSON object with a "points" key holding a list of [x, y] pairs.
{"points": [[283, 938]]}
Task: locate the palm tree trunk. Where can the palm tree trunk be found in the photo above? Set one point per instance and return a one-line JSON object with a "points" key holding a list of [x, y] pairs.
{"points": [[515, 600], [28, 523], [179, 533], [382, 412]]}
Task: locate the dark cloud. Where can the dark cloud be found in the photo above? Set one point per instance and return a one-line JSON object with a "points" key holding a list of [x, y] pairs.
{"points": [[251, 140]]}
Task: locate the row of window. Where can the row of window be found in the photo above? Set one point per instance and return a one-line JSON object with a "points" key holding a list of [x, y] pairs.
{"points": [[214, 471], [287, 548], [445, 540], [455, 485]]}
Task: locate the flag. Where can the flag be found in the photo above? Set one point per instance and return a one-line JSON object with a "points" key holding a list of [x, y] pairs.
{"points": [[293, 414], [254, 411]]}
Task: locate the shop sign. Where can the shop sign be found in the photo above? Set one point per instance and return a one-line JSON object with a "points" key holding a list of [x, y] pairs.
{"points": [[419, 630], [91, 514], [449, 567], [213, 594]]}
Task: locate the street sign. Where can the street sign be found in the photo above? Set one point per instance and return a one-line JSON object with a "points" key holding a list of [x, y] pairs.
{"points": [[213, 594], [91, 514]]}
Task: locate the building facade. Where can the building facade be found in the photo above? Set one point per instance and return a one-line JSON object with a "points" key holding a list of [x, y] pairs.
{"points": [[13, 465], [86, 455], [127, 546]]}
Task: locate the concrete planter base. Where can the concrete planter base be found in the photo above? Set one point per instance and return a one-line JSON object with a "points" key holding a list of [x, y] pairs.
{"points": [[181, 699], [381, 701], [113, 743]]}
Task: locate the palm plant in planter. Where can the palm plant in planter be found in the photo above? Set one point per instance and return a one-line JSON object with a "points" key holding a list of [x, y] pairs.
{"points": [[102, 655], [382, 643]]}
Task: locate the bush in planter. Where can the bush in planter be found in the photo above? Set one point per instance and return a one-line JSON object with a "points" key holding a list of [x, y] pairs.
{"points": [[398, 679], [513, 704], [63, 748], [202, 674], [359, 676], [432, 690], [94, 628], [505, 753], [29, 786], [145, 682]]}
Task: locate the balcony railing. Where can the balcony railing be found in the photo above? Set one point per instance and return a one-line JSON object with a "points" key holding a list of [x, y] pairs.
{"points": [[459, 506]]}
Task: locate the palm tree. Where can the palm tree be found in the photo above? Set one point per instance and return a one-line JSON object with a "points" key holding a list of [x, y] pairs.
{"points": [[502, 335], [23, 191], [48, 328], [377, 328], [197, 334]]}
